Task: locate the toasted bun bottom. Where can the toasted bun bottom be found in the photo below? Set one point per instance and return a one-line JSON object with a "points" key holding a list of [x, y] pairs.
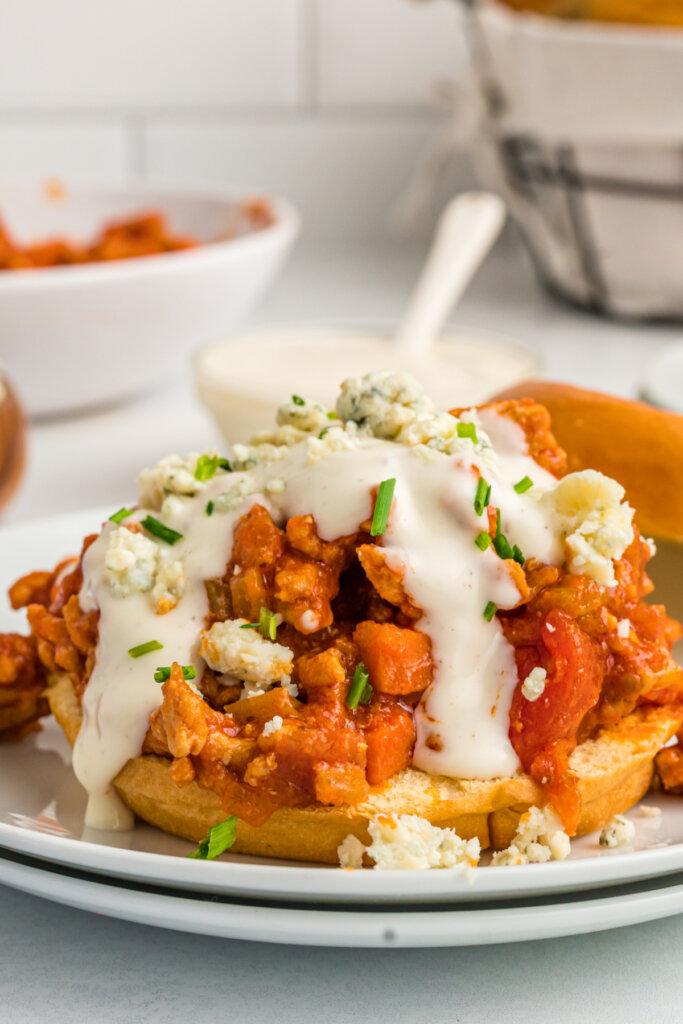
{"points": [[614, 772]]}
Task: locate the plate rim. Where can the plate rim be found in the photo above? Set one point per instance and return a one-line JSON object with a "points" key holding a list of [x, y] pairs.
{"points": [[384, 927], [311, 882]]}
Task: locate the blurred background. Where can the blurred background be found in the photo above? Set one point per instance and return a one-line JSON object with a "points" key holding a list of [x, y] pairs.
{"points": [[328, 102], [354, 124]]}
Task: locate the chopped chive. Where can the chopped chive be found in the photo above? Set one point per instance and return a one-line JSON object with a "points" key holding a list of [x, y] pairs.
{"points": [[158, 529], [332, 416], [467, 430], [208, 464], [209, 508], [323, 432], [483, 540], [380, 516], [489, 611], [524, 484], [122, 514], [164, 672], [502, 546], [151, 645], [481, 498], [206, 467], [218, 839], [267, 621], [360, 690], [267, 624], [298, 400]]}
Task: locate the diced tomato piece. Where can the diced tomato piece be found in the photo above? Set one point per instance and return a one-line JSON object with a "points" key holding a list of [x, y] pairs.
{"points": [[399, 660], [543, 732]]}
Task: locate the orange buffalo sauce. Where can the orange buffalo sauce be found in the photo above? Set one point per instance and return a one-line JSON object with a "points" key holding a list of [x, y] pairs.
{"points": [[597, 671], [146, 234], [346, 615]]}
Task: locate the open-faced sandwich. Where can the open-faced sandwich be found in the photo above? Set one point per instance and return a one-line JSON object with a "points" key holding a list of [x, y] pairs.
{"points": [[382, 622]]}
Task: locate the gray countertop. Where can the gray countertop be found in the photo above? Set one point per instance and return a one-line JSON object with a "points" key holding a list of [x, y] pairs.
{"points": [[64, 966], [59, 964]]}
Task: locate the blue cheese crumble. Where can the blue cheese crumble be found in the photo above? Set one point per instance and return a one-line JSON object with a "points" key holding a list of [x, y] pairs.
{"points": [[534, 684], [172, 476], [618, 832], [539, 838], [134, 563], [596, 523], [382, 403], [244, 654], [408, 842]]}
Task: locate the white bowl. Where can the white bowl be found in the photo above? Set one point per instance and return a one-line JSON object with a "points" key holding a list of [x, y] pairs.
{"points": [[80, 336], [243, 380]]}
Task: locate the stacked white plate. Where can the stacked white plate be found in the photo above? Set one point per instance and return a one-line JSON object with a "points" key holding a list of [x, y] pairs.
{"points": [[145, 876]]}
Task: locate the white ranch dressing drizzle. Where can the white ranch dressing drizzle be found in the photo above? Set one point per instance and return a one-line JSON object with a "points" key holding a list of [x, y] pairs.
{"points": [[430, 537]]}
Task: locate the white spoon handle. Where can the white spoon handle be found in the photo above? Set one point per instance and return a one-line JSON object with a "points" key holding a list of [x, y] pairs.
{"points": [[467, 228]]}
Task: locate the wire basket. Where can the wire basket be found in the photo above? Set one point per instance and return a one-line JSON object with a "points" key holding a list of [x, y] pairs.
{"points": [[581, 131]]}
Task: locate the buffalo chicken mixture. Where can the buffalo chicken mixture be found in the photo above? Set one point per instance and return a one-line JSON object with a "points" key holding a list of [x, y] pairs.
{"points": [[342, 721], [145, 234]]}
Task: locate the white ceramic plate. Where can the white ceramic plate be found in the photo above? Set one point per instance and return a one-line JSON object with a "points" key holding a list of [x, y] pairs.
{"points": [[357, 926], [42, 805]]}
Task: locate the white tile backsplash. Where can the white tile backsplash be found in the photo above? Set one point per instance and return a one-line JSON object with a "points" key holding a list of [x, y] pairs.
{"points": [[82, 150], [344, 175], [385, 52], [135, 54], [323, 100]]}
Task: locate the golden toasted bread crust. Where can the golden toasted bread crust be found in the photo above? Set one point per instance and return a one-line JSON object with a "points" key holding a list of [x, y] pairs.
{"points": [[629, 441], [614, 771], [64, 706]]}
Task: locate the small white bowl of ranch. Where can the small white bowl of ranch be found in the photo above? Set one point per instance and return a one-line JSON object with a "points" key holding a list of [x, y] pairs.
{"points": [[243, 380]]}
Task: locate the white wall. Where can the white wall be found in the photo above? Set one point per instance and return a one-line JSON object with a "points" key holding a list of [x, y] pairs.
{"points": [[324, 100]]}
